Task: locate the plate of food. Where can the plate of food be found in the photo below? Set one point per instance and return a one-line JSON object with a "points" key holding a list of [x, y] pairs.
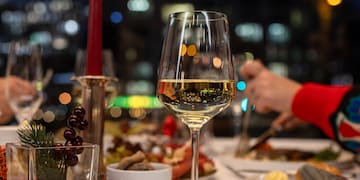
{"points": [[289, 155], [176, 155]]}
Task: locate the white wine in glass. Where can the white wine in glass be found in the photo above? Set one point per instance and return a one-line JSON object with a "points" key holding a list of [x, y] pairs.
{"points": [[24, 79], [196, 75]]}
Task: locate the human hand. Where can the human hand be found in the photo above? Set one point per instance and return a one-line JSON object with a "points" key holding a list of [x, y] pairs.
{"points": [[267, 90], [18, 86]]}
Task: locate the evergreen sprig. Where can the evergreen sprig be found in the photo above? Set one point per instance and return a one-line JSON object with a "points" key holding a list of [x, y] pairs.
{"points": [[35, 135], [48, 166]]}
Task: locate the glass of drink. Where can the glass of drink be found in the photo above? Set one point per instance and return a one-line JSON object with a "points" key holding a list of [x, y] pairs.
{"points": [[24, 79], [196, 75]]}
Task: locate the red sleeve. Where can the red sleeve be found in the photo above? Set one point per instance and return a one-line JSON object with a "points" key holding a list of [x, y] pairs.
{"points": [[315, 103]]}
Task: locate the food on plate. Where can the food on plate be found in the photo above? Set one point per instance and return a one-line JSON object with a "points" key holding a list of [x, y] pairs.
{"points": [[122, 147], [318, 170], [136, 161], [276, 175], [163, 143], [324, 166], [180, 159], [176, 155], [267, 152], [326, 154]]}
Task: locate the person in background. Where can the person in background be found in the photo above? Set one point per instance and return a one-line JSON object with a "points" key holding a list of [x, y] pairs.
{"points": [[16, 85], [334, 109]]}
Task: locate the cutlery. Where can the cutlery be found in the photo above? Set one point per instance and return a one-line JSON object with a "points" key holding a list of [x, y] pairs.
{"points": [[235, 172], [271, 132], [244, 142]]}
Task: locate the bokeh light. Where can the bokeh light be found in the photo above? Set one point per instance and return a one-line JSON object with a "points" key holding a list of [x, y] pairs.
{"points": [[250, 32], [241, 85], [71, 27], [60, 43], [183, 49], [191, 50], [49, 116], [40, 8], [217, 62], [244, 103], [168, 8], [137, 113], [138, 5], [65, 98], [115, 112], [278, 33], [116, 17], [38, 114], [41, 37], [334, 2], [139, 101]]}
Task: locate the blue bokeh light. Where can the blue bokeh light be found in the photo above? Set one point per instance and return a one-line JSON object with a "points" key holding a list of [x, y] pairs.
{"points": [[241, 85], [116, 17], [244, 105]]}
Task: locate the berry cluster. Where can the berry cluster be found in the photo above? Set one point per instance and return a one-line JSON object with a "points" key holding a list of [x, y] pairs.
{"points": [[74, 121]]}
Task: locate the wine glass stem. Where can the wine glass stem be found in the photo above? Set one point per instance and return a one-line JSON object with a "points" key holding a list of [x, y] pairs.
{"points": [[195, 153]]}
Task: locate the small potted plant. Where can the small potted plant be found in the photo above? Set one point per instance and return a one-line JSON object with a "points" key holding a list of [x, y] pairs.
{"points": [[38, 156]]}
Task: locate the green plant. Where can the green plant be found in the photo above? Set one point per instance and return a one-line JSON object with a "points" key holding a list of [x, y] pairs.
{"points": [[53, 159], [48, 165]]}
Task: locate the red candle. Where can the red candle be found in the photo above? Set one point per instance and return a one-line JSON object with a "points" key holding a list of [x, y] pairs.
{"points": [[94, 39]]}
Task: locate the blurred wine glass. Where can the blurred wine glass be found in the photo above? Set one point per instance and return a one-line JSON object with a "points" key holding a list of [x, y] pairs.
{"points": [[196, 75], [24, 79], [111, 88]]}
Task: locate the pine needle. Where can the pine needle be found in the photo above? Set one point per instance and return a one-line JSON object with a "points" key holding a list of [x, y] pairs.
{"points": [[35, 135]]}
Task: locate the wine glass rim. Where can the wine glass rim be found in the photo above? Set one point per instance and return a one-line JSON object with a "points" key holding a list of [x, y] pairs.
{"points": [[214, 15], [22, 47]]}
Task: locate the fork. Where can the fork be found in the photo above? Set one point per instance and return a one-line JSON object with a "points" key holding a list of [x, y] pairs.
{"points": [[244, 140]]}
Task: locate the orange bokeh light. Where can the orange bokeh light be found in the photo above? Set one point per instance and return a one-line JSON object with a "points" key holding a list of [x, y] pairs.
{"points": [[183, 50], [191, 51], [334, 2], [65, 98]]}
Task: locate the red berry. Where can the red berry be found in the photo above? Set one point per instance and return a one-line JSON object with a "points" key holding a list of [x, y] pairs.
{"points": [[83, 124], [77, 141], [70, 152], [73, 121], [79, 111], [73, 142], [69, 134]]}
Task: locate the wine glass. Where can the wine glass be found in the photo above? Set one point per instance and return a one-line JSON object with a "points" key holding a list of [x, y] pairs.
{"points": [[196, 75], [108, 69], [24, 79]]}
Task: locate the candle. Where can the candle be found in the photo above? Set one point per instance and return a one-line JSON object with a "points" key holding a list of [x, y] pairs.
{"points": [[94, 38]]}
